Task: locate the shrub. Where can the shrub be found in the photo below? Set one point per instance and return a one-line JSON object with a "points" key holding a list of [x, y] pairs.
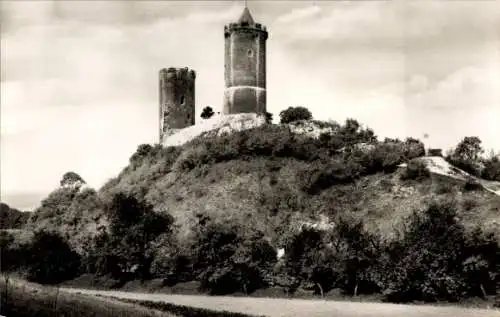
{"points": [[469, 204], [444, 188], [226, 260], [435, 258], [413, 148], [50, 259], [356, 256], [12, 255], [11, 218], [323, 176], [435, 152], [269, 118], [472, 184], [466, 155], [55, 204], [71, 179], [491, 170], [415, 170], [308, 259], [421, 258], [294, 114], [384, 157], [207, 113], [126, 250]]}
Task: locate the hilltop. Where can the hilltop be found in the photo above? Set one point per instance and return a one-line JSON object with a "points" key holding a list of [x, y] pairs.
{"points": [[239, 167], [260, 185]]}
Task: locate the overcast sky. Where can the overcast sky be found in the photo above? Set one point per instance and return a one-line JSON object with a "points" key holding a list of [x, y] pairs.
{"points": [[79, 80]]}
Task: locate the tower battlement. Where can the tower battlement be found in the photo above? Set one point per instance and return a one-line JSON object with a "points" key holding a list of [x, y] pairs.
{"points": [[177, 73], [256, 28], [177, 99]]}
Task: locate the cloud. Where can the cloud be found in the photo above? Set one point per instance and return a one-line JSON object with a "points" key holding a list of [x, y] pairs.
{"points": [[395, 23], [469, 88], [465, 103], [85, 95], [299, 14]]}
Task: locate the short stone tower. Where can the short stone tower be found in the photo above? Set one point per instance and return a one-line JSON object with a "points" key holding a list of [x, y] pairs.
{"points": [[177, 103], [245, 66]]}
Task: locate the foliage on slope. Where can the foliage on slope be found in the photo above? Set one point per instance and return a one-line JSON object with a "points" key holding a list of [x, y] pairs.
{"points": [[251, 191], [11, 218]]}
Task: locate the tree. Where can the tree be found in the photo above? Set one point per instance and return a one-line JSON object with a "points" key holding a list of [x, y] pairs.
{"points": [[71, 179], [469, 149], [413, 148], [466, 155], [11, 218], [269, 117], [227, 260], [50, 259], [207, 112], [308, 259], [294, 114], [491, 169], [126, 251]]}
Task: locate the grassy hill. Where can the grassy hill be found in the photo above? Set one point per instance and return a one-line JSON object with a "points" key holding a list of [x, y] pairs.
{"points": [[269, 182], [246, 180]]}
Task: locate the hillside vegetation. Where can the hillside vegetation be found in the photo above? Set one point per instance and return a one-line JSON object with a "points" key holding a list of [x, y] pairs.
{"points": [[11, 218], [217, 208]]}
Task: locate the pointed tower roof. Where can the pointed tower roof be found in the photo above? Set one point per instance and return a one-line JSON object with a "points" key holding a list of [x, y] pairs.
{"points": [[246, 17]]}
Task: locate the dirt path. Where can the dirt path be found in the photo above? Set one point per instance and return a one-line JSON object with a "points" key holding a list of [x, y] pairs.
{"points": [[299, 308]]}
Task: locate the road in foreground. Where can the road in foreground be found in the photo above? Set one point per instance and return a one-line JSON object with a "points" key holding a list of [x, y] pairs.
{"points": [[275, 307]]}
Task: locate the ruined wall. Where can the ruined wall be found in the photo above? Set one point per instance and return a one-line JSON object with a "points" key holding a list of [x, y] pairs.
{"points": [[177, 100], [245, 68]]}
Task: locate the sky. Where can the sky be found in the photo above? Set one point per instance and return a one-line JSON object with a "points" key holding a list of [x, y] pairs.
{"points": [[79, 79]]}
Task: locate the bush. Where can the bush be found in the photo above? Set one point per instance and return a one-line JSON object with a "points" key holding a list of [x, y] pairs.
{"points": [[384, 157], [415, 170], [294, 114], [435, 258], [435, 152], [323, 176], [11, 218], [444, 188], [50, 259], [466, 155], [491, 170], [413, 148], [227, 261], [207, 113], [11, 255], [126, 250], [472, 185]]}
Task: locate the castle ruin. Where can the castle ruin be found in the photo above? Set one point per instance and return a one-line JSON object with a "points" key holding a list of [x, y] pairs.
{"points": [[244, 73], [177, 100]]}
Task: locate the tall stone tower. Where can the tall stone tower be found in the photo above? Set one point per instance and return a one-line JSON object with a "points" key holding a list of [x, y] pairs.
{"points": [[245, 66], [177, 103]]}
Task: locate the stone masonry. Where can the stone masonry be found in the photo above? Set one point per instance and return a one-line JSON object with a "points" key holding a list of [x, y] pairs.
{"points": [[177, 100], [245, 66]]}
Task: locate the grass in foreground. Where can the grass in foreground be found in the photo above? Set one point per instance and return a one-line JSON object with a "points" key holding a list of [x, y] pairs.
{"points": [[19, 299]]}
